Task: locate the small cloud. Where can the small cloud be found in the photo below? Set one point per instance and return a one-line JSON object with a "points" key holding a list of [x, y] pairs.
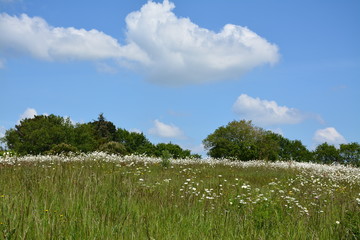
{"points": [[265, 113], [135, 130], [329, 135], [163, 130], [29, 113]]}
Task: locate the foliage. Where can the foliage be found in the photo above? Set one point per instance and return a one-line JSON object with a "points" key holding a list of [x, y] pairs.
{"points": [[350, 153], [62, 148], [165, 158], [37, 135], [175, 150], [134, 142], [40, 134], [325, 153], [113, 148], [241, 140], [104, 130], [84, 137]]}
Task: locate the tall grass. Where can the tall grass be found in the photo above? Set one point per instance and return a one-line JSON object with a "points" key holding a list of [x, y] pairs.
{"points": [[98, 198]]}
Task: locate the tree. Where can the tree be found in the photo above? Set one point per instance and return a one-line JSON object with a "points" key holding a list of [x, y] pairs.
{"points": [[104, 130], [350, 153], [37, 135], [175, 150], [238, 139], [85, 137], [243, 141], [325, 153], [134, 142]]}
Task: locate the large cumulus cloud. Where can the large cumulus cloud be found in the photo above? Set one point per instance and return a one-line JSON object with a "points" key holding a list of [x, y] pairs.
{"points": [[163, 47]]}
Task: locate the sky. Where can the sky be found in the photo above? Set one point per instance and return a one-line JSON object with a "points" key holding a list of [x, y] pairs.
{"points": [[178, 70]]}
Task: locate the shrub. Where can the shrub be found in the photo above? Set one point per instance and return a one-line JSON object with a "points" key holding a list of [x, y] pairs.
{"points": [[113, 148], [165, 158], [62, 148]]}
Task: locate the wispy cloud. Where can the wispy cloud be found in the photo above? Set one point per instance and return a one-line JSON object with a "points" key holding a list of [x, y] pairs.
{"points": [[329, 135], [265, 113], [164, 130], [165, 48]]}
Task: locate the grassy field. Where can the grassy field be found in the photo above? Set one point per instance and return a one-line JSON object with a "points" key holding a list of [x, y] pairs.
{"points": [[99, 196]]}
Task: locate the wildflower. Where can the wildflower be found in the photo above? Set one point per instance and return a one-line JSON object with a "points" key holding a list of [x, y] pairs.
{"points": [[337, 222], [141, 180]]}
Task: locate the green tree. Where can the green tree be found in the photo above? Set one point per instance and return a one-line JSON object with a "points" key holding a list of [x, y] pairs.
{"points": [[37, 135], [134, 142], [350, 153], [84, 137], [237, 140], [175, 150], [104, 130], [325, 153], [292, 150]]}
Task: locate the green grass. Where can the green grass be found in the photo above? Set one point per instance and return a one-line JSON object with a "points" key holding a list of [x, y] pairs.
{"points": [[98, 199]]}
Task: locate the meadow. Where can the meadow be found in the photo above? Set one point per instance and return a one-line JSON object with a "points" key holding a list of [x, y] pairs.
{"points": [[102, 196]]}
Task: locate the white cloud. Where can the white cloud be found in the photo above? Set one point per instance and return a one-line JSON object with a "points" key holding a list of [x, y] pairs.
{"points": [[329, 135], [135, 130], [180, 52], [33, 36], [264, 112], [165, 48], [163, 130], [29, 113]]}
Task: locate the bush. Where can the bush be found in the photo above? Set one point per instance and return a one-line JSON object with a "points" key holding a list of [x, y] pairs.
{"points": [[165, 158], [113, 148], [62, 148]]}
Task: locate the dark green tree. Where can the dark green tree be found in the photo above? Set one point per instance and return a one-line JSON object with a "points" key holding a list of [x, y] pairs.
{"points": [[134, 142], [175, 150], [37, 135], [85, 138], [350, 153], [325, 153], [104, 130], [237, 140]]}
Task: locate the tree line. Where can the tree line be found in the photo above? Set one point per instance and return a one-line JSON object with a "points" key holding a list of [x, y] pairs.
{"points": [[54, 135], [244, 141], [238, 140]]}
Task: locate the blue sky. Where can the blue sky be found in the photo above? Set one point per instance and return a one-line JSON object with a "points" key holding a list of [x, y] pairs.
{"points": [[178, 70]]}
